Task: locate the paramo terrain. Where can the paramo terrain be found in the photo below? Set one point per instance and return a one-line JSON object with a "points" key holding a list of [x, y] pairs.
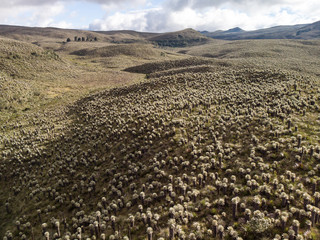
{"points": [[203, 148]]}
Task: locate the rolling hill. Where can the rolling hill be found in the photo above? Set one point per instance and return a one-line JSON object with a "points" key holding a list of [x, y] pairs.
{"points": [[127, 36], [300, 56], [188, 37], [21, 59], [55, 38], [39, 35], [210, 155], [182, 38], [134, 50], [214, 139], [301, 31]]}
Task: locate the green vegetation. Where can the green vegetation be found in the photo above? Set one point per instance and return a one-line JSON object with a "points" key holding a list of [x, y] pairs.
{"points": [[134, 50], [187, 37], [130, 141]]}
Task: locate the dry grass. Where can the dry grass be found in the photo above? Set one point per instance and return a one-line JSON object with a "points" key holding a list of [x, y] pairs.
{"points": [[143, 51], [292, 55], [33, 78], [82, 118], [187, 37]]}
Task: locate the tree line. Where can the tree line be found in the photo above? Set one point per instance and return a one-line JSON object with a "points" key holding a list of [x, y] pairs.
{"points": [[82, 39]]}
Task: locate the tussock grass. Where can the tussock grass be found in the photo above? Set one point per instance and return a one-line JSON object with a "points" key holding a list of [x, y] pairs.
{"points": [[134, 50], [226, 140], [292, 55]]}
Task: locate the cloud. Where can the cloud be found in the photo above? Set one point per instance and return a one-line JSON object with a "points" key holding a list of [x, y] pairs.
{"points": [[43, 16], [47, 13], [15, 3], [178, 5], [169, 15], [213, 15], [151, 20], [119, 21]]}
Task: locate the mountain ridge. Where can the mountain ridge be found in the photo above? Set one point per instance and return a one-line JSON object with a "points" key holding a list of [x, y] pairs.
{"points": [[299, 31], [182, 38]]}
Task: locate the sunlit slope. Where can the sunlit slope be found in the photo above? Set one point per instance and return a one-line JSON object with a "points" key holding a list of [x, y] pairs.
{"points": [[293, 55], [144, 51], [193, 154]]}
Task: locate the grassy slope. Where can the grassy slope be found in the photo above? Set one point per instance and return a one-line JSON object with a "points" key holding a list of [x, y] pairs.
{"points": [[135, 50], [33, 34], [27, 72], [37, 84], [187, 37], [132, 126], [50, 74], [239, 105], [293, 55]]}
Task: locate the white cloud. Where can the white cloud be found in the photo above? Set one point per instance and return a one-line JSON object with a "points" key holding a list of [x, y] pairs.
{"points": [[178, 5], [170, 15], [61, 24], [40, 16], [119, 21], [6, 16], [15, 3], [213, 15], [113, 5], [45, 16], [45, 13]]}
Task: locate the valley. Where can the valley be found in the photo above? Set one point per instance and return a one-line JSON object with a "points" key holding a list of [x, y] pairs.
{"points": [[158, 136]]}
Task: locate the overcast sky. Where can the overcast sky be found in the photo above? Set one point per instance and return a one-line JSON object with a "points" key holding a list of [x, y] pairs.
{"points": [[158, 15]]}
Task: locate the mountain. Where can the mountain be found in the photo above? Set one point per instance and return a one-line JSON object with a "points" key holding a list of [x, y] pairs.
{"points": [[145, 51], [309, 31], [235, 30], [182, 38], [101, 140], [127, 36], [300, 31], [39, 34], [188, 37], [47, 36]]}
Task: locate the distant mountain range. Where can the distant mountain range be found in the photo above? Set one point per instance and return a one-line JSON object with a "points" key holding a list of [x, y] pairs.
{"points": [[301, 31], [187, 37], [41, 36]]}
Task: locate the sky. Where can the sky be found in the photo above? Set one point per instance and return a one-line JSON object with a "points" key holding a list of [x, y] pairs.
{"points": [[158, 15]]}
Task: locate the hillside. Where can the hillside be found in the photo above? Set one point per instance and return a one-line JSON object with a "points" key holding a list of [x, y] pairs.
{"points": [[23, 68], [310, 31], [19, 59], [300, 56], [155, 67], [56, 39], [33, 78], [134, 50], [47, 36], [192, 154], [128, 36], [53, 38], [106, 140], [182, 38], [301, 31]]}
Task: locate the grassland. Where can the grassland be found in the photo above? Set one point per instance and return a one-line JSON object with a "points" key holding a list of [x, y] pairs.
{"points": [[104, 140], [300, 56]]}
